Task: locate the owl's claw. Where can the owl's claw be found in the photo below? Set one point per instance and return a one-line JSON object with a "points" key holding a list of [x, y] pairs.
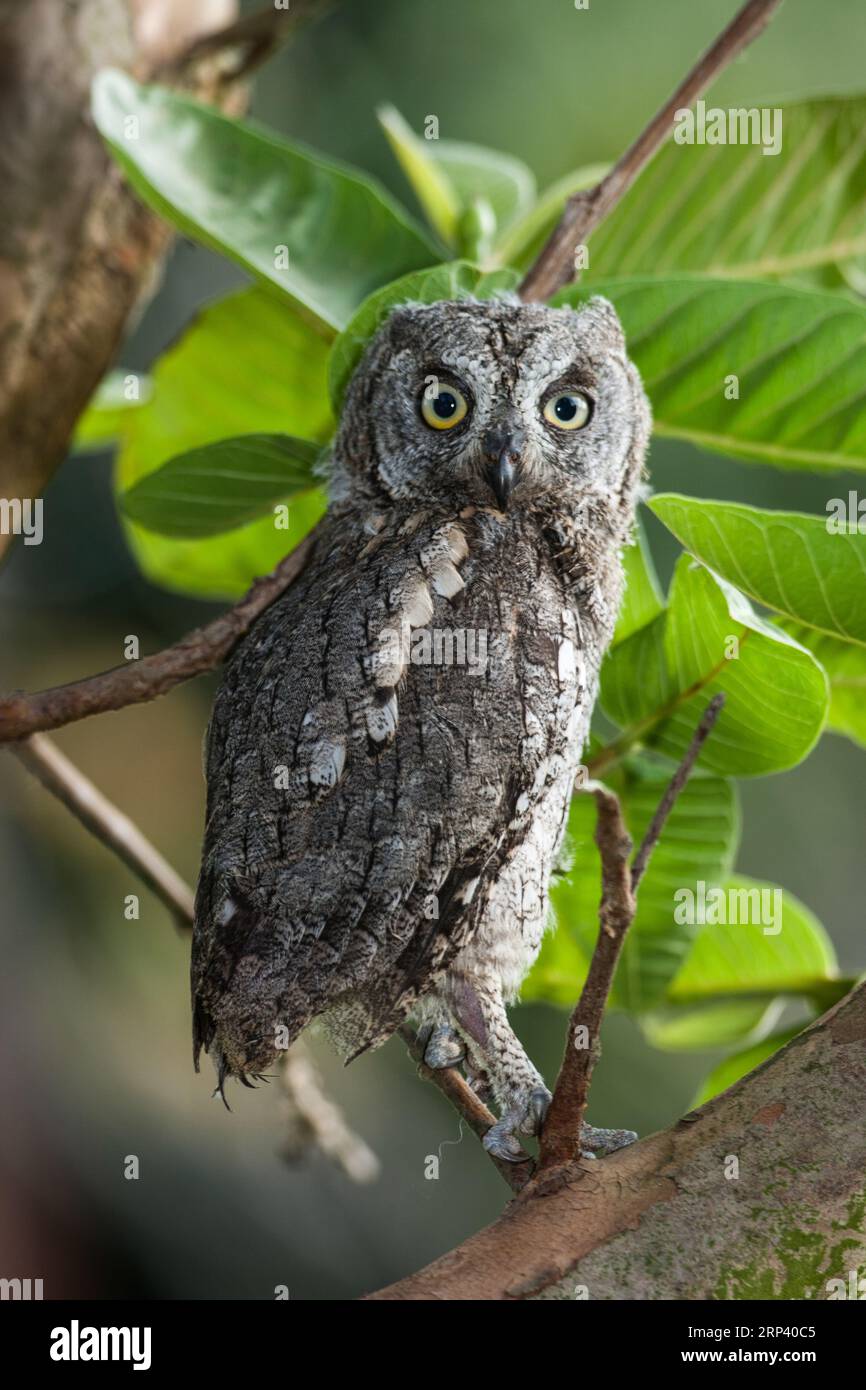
{"points": [[595, 1143], [526, 1117], [444, 1048]]}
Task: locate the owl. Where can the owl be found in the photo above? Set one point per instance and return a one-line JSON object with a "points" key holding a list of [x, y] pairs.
{"points": [[395, 741]]}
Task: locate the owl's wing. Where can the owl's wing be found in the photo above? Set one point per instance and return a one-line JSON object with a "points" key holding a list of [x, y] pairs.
{"points": [[356, 801]]}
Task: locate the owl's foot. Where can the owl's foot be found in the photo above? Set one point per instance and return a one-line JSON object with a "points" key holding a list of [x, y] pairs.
{"points": [[595, 1143], [445, 1048], [525, 1117]]}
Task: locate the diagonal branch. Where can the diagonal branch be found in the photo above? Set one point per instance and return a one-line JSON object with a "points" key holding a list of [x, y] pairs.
{"points": [[469, 1107], [138, 681], [554, 266], [560, 1137], [104, 820]]}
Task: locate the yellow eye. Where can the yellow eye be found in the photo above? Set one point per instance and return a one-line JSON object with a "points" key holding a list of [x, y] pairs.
{"points": [[568, 410], [443, 405]]}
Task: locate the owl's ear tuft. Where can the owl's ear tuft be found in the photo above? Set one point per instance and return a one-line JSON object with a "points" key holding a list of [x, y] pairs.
{"points": [[598, 316]]}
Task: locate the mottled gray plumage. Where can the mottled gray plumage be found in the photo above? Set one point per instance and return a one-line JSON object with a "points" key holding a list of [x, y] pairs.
{"points": [[381, 827]]}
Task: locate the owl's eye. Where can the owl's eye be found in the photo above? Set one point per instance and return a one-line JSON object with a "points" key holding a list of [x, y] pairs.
{"points": [[568, 410], [443, 405]]}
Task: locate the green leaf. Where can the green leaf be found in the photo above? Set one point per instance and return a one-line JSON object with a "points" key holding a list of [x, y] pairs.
{"points": [[221, 486], [246, 193], [740, 1064], [642, 600], [469, 193], [454, 280], [474, 172], [786, 560], [845, 664], [724, 1024], [271, 381], [729, 209], [110, 408], [525, 238], [799, 359], [780, 947], [766, 944], [431, 184], [657, 684], [699, 841]]}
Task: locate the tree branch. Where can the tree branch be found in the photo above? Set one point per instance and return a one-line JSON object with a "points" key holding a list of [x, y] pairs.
{"points": [[104, 820], [675, 786], [554, 266], [79, 252], [313, 1119], [560, 1138], [138, 681], [468, 1105], [779, 1159]]}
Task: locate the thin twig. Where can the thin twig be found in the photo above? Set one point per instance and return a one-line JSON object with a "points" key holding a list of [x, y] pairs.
{"points": [[469, 1107], [313, 1119], [137, 681], [560, 1138], [555, 263], [104, 820], [675, 786]]}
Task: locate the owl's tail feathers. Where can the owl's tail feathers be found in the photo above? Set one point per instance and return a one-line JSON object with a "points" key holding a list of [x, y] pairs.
{"points": [[246, 1008]]}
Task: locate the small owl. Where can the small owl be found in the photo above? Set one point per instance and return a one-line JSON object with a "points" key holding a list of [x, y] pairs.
{"points": [[395, 741]]}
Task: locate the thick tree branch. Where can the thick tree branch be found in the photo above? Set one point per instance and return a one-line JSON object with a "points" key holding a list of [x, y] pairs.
{"points": [[138, 681], [779, 1160], [554, 267], [78, 251], [560, 1139]]}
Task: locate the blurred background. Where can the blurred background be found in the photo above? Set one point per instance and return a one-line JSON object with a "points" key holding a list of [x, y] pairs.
{"points": [[95, 1058]]}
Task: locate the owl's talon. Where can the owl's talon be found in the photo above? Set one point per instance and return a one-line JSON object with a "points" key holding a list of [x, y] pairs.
{"points": [[536, 1111], [501, 1142], [527, 1117], [445, 1048], [596, 1143]]}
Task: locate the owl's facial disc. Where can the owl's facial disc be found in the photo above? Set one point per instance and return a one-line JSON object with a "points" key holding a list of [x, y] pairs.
{"points": [[492, 403]]}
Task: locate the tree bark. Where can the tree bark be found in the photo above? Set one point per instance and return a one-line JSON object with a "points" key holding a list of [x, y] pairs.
{"points": [[760, 1193], [78, 251]]}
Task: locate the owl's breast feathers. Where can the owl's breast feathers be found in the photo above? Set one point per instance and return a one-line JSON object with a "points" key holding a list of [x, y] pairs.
{"points": [[378, 748]]}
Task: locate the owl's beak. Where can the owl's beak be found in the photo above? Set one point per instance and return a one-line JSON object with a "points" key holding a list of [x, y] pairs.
{"points": [[502, 453]]}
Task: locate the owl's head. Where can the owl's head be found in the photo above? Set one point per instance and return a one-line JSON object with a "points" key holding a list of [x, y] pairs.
{"points": [[495, 403]]}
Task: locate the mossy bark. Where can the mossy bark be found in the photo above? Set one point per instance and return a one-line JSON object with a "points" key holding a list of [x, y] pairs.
{"points": [[761, 1193]]}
